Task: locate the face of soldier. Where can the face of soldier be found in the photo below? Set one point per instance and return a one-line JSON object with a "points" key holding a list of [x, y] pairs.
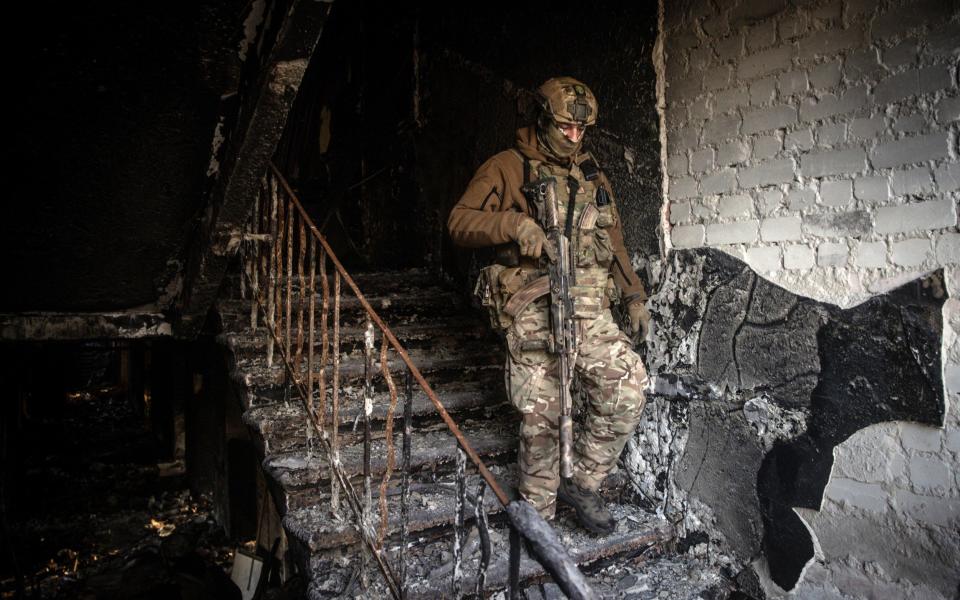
{"points": [[561, 140], [572, 132]]}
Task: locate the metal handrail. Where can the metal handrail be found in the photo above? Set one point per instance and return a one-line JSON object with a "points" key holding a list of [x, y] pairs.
{"points": [[270, 277]]}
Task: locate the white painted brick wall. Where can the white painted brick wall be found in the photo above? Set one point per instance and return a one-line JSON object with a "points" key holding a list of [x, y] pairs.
{"points": [[829, 113], [738, 232], [763, 259], [832, 254], [687, 236], [871, 255], [911, 253], [780, 229], [798, 257], [935, 214], [840, 119], [948, 249]]}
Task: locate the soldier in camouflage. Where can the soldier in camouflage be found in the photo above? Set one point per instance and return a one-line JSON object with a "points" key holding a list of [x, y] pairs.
{"points": [[495, 212]]}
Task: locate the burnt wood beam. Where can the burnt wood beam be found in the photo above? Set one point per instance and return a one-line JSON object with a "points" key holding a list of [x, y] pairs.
{"points": [[251, 144]]}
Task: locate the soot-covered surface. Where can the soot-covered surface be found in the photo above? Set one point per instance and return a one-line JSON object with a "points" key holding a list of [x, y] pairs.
{"points": [[789, 378], [115, 108], [400, 105]]}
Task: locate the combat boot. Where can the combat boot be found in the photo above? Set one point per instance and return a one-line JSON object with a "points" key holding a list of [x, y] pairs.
{"points": [[591, 508]]}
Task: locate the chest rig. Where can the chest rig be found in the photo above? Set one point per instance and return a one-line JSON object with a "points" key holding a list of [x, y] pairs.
{"points": [[587, 213]]}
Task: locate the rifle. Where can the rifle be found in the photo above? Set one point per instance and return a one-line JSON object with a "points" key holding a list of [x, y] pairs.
{"points": [[563, 331]]}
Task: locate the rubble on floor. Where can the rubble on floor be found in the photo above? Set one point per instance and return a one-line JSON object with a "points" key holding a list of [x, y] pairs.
{"points": [[100, 519]]}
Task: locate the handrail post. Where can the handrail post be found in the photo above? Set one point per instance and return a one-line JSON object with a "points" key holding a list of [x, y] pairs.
{"points": [[405, 484], [483, 530], [514, 576], [367, 411], [335, 400], [458, 526]]}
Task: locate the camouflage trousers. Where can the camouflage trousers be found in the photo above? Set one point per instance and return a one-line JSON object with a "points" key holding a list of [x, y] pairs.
{"points": [[613, 377]]}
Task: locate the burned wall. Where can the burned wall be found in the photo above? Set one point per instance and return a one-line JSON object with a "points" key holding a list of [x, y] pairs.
{"points": [[479, 68], [816, 141], [348, 146], [112, 123], [402, 104]]}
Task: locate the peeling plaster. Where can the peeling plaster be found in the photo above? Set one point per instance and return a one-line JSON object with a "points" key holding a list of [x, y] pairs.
{"points": [[250, 27], [213, 169], [713, 311]]}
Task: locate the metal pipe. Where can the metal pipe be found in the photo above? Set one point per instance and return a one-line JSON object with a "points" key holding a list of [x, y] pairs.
{"points": [[325, 287], [405, 483], [278, 269], [288, 304], [514, 577], [458, 528], [335, 416], [313, 312], [367, 411], [388, 438], [301, 280], [483, 530], [271, 268], [255, 226]]}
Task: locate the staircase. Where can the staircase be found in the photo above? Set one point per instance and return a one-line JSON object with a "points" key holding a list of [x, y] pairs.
{"points": [[435, 505]]}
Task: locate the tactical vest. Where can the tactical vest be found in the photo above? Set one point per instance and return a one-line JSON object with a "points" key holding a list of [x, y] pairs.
{"points": [[507, 290], [588, 229]]}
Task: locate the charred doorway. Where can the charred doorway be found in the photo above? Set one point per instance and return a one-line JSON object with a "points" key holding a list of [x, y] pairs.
{"points": [[402, 103]]}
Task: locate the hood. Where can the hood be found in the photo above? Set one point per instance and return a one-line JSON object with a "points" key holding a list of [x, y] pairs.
{"points": [[529, 145]]}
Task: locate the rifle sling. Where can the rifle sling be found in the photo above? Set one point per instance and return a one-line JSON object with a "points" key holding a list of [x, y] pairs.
{"points": [[573, 185]]}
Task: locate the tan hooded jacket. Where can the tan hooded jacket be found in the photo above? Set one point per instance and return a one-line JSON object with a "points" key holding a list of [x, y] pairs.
{"points": [[491, 208]]}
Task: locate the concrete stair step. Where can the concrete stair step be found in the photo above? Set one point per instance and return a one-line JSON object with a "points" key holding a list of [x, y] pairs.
{"points": [[288, 419], [371, 283], [392, 308], [465, 360], [429, 565], [446, 331], [432, 505], [432, 450]]}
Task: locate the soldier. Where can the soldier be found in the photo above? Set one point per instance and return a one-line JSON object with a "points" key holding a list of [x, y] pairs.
{"points": [[494, 212]]}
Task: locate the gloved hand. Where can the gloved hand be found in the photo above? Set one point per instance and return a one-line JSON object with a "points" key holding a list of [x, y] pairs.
{"points": [[530, 237], [639, 318]]}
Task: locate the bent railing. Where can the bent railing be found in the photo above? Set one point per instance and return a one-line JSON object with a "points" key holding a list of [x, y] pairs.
{"points": [[285, 258]]}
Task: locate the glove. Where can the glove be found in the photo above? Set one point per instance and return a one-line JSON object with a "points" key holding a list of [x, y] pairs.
{"points": [[530, 237], [639, 318]]}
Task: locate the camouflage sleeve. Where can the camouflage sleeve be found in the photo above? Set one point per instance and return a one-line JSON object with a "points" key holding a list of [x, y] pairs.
{"points": [[628, 282], [480, 217]]}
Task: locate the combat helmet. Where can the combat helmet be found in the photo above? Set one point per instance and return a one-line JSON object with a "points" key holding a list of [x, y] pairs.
{"points": [[568, 101]]}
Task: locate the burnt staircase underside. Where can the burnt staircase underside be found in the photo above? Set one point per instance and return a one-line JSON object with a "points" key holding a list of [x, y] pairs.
{"points": [[462, 360]]}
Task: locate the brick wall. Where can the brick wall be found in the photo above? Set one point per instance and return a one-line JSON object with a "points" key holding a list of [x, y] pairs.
{"points": [[818, 142]]}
